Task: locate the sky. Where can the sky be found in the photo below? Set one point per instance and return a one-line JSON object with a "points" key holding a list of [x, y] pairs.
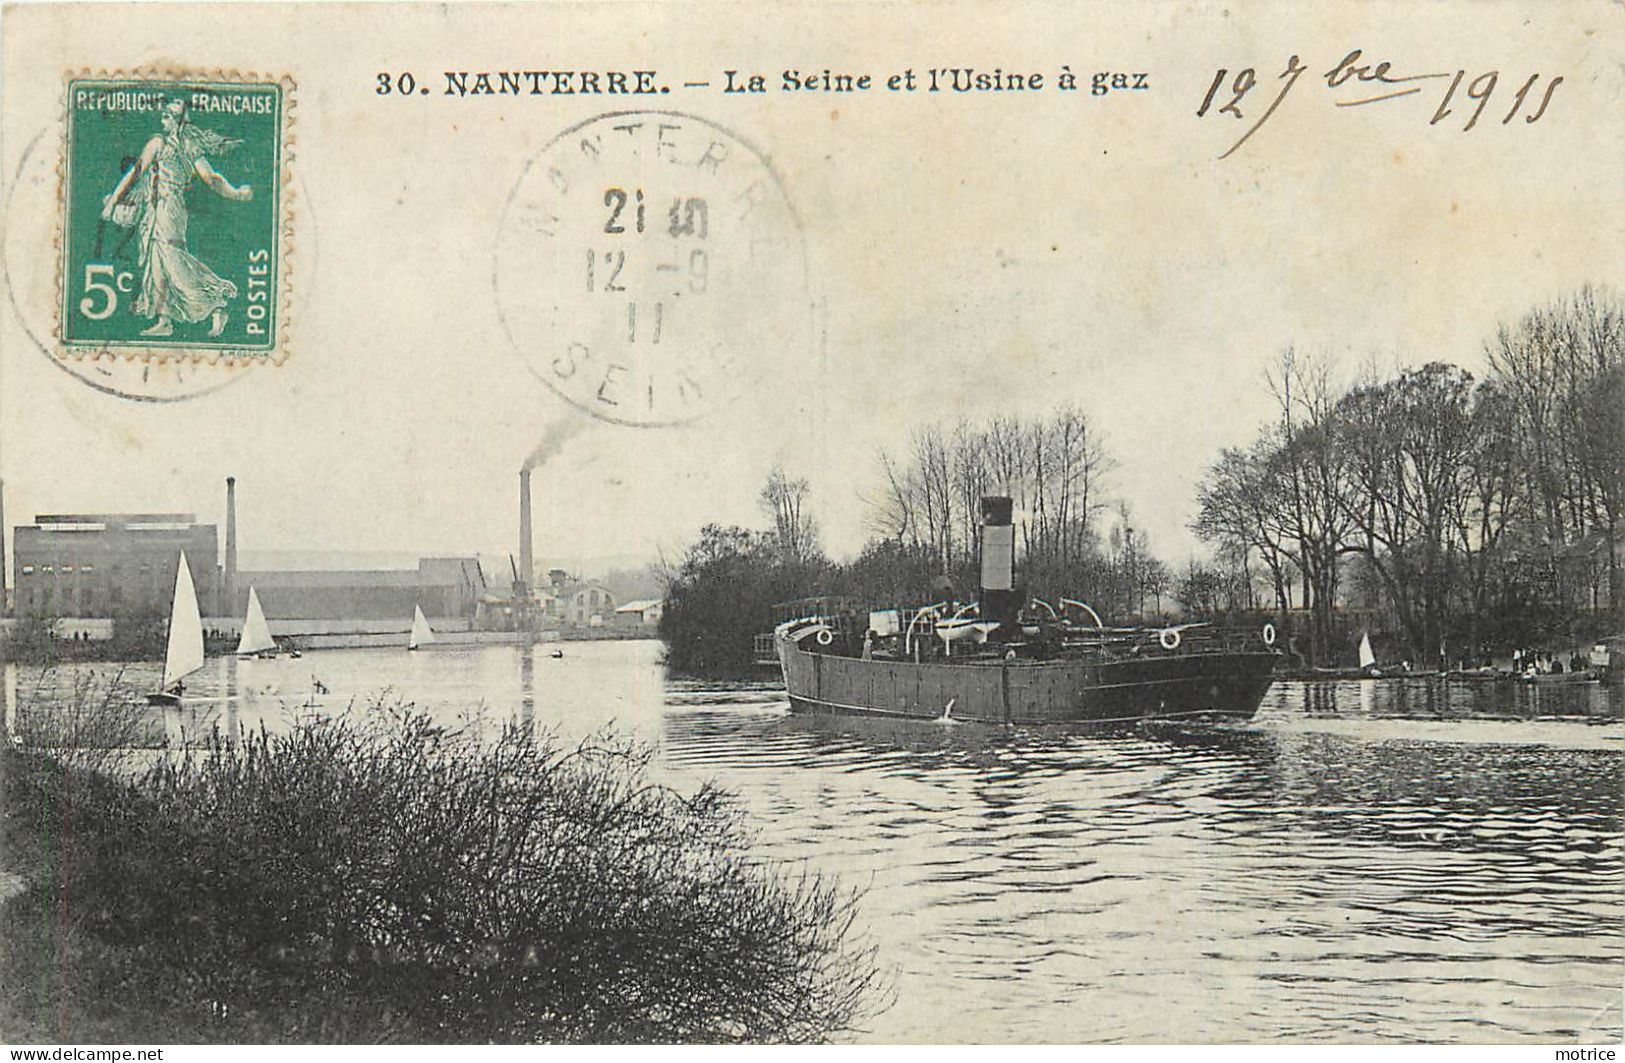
{"points": [[931, 256]]}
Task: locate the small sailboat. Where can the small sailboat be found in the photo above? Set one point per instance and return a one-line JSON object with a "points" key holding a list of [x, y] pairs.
{"points": [[1368, 659], [184, 654], [257, 638], [422, 633]]}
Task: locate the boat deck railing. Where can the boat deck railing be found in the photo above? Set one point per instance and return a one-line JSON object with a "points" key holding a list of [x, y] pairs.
{"points": [[1110, 642]]}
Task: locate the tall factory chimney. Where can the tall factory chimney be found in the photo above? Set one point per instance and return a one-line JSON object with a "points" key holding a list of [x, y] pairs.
{"points": [[229, 588], [3, 584], [527, 563]]}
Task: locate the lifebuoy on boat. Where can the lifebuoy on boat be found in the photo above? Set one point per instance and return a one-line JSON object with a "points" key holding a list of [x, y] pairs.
{"points": [[1269, 633], [825, 636], [1169, 638]]}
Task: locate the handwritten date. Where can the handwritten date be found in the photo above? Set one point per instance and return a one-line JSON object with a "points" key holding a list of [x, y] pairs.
{"points": [[1377, 82]]}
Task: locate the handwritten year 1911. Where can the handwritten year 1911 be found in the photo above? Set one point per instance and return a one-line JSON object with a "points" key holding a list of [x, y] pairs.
{"points": [[1377, 83]]}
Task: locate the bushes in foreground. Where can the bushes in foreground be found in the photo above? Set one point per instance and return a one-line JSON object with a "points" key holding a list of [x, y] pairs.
{"points": [[381, 878]]}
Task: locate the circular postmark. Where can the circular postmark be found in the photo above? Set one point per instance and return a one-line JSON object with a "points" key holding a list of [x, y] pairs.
{"points": [[30, 252], [118, 272], [649, 268]]}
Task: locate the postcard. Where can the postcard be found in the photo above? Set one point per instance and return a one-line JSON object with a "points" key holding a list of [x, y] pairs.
{"points": [[797, 522]]}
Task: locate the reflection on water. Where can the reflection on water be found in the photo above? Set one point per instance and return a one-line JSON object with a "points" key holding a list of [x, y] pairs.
{"points": [[1366, 860]]}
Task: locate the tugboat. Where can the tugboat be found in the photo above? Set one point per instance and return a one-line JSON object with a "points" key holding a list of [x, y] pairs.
{"points": [[998, 661]]}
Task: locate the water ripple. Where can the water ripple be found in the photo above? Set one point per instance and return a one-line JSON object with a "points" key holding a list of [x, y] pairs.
{"points": [[1343, 869], [1364, 862]]}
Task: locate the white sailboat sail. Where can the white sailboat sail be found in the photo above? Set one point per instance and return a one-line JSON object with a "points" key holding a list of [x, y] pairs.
{"points": [[185, 652], [1367, 658], [422, 633], [256, 632]]}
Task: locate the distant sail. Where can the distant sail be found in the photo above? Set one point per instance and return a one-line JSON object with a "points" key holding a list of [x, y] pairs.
{"points": [[256, 632], [185, 652], [1367, 658], [422, 634]]}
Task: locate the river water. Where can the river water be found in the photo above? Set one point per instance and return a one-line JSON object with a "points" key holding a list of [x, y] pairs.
{"points": [[1365, 861]]}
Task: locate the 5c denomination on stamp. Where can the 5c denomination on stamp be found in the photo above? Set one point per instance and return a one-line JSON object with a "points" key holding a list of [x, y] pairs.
{"points": [[649, 266], [174, 234]]}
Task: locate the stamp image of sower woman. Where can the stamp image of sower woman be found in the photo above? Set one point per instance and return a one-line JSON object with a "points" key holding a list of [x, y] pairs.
{"points": [[175, 285]]}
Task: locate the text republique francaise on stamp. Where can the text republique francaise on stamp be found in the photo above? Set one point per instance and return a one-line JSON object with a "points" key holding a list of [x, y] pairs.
{"points": [[174, 232]]}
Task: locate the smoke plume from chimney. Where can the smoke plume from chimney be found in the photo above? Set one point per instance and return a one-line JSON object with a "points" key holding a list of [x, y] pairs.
{"points": [[552, 439], [527, 561]]}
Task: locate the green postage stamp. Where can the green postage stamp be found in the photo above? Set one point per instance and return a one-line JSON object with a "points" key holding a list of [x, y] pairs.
{"points": [[174, 217]]}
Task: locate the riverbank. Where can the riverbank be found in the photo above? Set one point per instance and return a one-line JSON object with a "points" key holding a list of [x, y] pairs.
{"points": [[94, 651], [64, 985], [379, 878], [1328, 675]]}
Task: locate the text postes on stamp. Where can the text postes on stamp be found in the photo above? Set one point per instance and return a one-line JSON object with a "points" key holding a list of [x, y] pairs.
{"points": [[649, 266], [173, 233]]}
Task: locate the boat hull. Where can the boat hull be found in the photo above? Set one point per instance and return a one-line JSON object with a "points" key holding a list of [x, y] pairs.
{"points": [[1174, 686], [1559, 679]]}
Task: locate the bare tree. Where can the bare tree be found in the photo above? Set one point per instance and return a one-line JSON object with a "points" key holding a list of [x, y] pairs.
{"points": [[1239, 508], [1557, 367], [1410, 443], [1310, 467], [794, 530], [1052, 469]]}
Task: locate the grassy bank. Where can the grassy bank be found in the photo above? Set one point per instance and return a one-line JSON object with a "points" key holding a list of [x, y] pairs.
{"points": [[378, 878]]}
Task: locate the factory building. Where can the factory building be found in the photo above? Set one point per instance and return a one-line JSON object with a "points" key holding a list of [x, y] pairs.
{"points": [[441, 586], [575, 601], [102, 565], [110, 564], [642, 613]]}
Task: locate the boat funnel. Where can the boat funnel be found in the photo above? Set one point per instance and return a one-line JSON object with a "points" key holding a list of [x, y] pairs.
{"points": [[1000, 602]]}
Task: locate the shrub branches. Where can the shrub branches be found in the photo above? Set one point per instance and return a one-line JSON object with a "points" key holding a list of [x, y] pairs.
{"points": [[378, 877]]}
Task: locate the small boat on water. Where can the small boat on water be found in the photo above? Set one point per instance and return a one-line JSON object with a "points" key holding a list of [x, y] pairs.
{"points": [[1368, 658], [422, 634], [183, 653], [256, 640], [1000, 661]]}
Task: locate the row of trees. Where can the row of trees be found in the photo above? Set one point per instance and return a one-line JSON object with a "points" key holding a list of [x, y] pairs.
{"points": [[1054, 469], [1475, 512], [926, 538], [1469, 513], [137, 633]]}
